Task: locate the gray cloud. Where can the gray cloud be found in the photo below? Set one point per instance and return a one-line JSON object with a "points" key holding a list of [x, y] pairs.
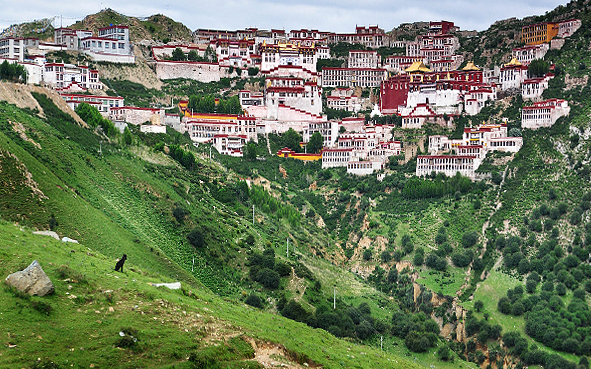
{"points": [[324, 15]]}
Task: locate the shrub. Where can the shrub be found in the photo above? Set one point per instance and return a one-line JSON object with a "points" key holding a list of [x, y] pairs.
{"points": [[268, 278], [444, 353], [196, 239], [294, 311], [504, 305], [254, 301], [470, 239], [282, 268]]}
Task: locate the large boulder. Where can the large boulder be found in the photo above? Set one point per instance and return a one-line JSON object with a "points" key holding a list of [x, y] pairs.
{"points": [[32, 280]]}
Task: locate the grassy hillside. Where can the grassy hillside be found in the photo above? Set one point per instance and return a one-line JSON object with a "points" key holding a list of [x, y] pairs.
{"points": [[80, 324], [116, 198]]}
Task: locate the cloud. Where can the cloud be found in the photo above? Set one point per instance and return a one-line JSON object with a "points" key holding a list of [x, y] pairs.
{"points": [[324, 15]]}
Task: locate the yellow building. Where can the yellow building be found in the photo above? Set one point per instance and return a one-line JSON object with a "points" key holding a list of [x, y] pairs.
{"points": [[539, 33]]}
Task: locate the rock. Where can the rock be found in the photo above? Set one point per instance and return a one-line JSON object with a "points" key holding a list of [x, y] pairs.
{"points": [[172, 286], [68, 239], [32, 280], [48, 233]]}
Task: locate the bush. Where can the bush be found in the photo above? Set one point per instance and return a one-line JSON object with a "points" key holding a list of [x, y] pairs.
{"points": [[444, 353], [294, 311], [367, 254], [268, 278], [282, 268], [470, 239], [254, 301], [196, 239]]}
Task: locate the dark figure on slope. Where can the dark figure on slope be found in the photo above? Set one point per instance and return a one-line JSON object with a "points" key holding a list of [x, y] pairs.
{"points": [[119, 265]]}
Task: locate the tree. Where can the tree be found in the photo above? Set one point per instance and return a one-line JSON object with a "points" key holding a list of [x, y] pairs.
{"points": [[178, 55], [470, 239], [367, 254], [127, 137], [538, 68], [195, 238], [268, 278], [250, 152], [443, 352], [478, 305], [316, 142], [254, 300], [291, 139], [193, 56]]}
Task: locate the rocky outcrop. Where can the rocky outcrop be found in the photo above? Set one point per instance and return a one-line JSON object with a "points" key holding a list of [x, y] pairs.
{"points": [[32, 280]]}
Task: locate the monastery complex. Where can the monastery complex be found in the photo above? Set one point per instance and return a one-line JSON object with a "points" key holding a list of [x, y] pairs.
{"points": [[427, 83]]}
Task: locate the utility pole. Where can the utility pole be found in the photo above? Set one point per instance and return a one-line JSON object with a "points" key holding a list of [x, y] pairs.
{"points": [[288, 248], [382, 343], [253, 214], [193, 267], [334, 299]]}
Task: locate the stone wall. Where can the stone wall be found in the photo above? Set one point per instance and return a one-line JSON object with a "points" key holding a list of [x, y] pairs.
{"points": [[203, 72]]}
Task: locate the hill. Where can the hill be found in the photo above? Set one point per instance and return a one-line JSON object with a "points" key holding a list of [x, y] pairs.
{"points": [[494, 272], [155, 28], [115, 199]]}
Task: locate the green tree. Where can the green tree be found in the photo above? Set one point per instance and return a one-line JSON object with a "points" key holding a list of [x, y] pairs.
{"points": [[178, 55], [316, 142], [196, 238], [291, 139], [193, 56], [250, 152], [127, 137], [538, 68]]}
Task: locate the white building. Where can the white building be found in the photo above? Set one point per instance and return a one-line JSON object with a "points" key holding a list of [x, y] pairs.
{"points": [[527, 53], [568, 27], [446, 164], [102, 103], [329, 131], [362, 168], [353, 77], [12, 48], [111, 45], [70, 38], [343, 99], [533, 88], [399, 64], [543, 114], [292, 93], [364, 59], [231, 145], [136, 115], [62, 76], [250, 98], [371, 36], [287, 54], [337, 157], [512, 75], [235, 53]]}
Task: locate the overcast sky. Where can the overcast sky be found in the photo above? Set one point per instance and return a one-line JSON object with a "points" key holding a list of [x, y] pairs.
{"points": [[324, 15]]}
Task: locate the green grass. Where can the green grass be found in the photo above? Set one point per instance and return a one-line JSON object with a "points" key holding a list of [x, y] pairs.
{"points": [[445, 283], [170, 325], [490, 291]]}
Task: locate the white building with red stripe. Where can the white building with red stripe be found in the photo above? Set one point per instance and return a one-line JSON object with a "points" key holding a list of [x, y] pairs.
{"points": [[544, 113]]}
